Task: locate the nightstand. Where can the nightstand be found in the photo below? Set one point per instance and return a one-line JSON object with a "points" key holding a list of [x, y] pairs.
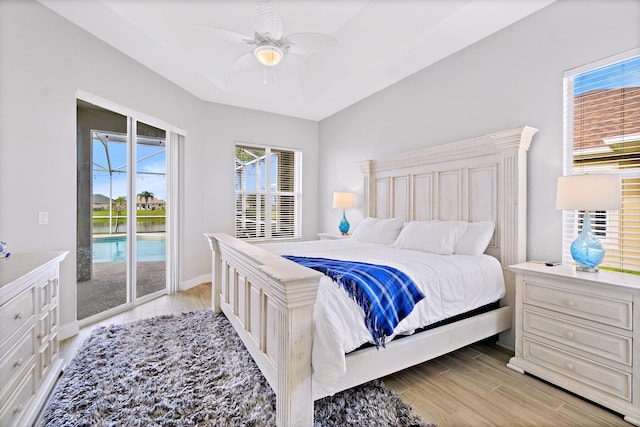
{"points": [[580, 331], [333, 236]]}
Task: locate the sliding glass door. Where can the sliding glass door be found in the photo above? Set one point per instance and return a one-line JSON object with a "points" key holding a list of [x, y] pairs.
{"points": [[123, 202], [150, 226], [106, 284]]}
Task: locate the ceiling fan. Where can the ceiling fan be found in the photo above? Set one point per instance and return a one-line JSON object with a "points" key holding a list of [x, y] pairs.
{"points": [[270, 46]]}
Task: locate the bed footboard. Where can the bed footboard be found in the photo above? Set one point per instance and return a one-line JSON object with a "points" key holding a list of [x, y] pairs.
{"points": [[269, 301]]}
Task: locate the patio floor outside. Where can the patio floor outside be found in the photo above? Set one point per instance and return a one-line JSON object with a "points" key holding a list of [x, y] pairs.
{"points": [[107, 287]]}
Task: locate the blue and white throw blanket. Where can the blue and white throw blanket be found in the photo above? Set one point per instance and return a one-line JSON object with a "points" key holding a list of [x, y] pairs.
{"points": [[386, 294]]}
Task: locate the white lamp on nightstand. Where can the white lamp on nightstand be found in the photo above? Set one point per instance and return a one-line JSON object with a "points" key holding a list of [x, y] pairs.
{"points": [[585, 193], [343, 200]]}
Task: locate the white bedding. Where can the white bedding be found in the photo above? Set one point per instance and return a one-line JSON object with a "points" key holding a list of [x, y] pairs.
{"points": [[452, 284]]}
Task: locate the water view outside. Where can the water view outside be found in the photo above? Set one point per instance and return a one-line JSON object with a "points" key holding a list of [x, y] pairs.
{"points": [[148, 221], [114, 248], [103, 229]]}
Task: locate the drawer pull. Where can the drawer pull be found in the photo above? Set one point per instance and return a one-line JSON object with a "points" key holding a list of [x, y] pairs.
{"points": [[18, 315], [569, 366], [17, 409], [40, 334], [569, 334], [570, 302], [18, 362]]}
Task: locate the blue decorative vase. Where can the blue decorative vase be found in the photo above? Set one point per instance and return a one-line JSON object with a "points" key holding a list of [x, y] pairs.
{"points": [[344, 224], [586, 250], [4, 250]]}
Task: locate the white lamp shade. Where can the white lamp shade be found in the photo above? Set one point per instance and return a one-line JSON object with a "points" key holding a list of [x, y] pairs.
{"points": [[268, 55], [343, 200], [589, 192]]}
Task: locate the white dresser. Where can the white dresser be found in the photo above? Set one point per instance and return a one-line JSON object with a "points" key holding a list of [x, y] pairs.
{"points": [[580, 331], [29, 359]]}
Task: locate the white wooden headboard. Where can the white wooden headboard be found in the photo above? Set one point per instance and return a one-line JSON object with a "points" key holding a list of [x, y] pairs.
{"points": [[472, 180]]}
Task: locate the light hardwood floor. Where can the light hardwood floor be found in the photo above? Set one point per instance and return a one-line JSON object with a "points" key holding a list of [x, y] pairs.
{"points": [[469, 387]]}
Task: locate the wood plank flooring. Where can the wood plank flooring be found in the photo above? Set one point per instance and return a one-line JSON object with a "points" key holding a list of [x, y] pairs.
{"points": [[468, 387]]}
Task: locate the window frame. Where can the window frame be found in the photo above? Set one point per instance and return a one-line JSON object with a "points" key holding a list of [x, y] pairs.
{"points": [[269, 193], [612, 222]]}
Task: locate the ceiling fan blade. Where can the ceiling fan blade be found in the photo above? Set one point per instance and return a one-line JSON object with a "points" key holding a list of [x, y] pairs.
{"points": [[292, 64], [266, 21], [245, 62], [307, 43], [226, 35]]}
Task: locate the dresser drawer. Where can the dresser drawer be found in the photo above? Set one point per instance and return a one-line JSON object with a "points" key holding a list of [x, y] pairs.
{"points": [[594, 375], [15, 314], [47, 285], [14, 362], [605, 310], [606, 345], [53, 319], [44, 293], [53, 289], [44, 327], [14, 410]]}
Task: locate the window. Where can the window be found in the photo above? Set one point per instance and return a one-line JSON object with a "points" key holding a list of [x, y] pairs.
{"points": [[268, 196], [598, 223], [602, 135]]}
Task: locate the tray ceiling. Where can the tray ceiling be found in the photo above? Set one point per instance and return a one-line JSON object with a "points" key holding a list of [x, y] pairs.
{"points": [[379, 42]]}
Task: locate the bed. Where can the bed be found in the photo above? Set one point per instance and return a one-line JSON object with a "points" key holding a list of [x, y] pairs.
{"points": [[269, 299]]}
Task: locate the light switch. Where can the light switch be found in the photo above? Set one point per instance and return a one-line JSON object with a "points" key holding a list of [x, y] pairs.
{"points": [[43, 218]]}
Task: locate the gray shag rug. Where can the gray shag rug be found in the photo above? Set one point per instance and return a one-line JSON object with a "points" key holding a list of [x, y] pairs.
{"points": [[191, 370]]}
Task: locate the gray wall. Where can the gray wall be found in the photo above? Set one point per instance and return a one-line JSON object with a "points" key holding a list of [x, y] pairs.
{"points": [[224, 126], [507, 80], [44, 59]]}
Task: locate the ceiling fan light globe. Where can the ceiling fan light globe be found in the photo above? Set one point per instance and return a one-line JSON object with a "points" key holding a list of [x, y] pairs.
{"points": [[268, 55]]}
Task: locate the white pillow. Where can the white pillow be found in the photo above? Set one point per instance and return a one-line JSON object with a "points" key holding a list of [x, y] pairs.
{"points": [[476, 238], [378, 230], [438, 237]]}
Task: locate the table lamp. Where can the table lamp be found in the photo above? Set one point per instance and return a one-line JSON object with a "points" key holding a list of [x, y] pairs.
{"points": [[588, 192], [343, 201]]}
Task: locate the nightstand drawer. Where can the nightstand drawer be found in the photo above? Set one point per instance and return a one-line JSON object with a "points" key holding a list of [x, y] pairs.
{"points": [[16, 313], [594, 375], [609, 346], [598, 308]]}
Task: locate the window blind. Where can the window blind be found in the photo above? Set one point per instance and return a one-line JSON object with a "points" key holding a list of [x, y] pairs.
{"points": [[602, 135], [267, 192]]}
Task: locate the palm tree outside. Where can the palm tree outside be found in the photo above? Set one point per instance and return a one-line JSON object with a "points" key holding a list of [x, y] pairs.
{"points": [[120, 206], [146, 195]]}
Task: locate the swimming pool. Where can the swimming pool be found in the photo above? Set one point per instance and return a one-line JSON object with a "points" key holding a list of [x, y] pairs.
{"points": [[114, 249]]}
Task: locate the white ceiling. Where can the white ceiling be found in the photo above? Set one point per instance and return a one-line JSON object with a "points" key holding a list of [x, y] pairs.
{"points": [[379, 42]]}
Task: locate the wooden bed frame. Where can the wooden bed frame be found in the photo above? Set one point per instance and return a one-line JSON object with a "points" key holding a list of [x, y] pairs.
{"points": [[269, 300]]}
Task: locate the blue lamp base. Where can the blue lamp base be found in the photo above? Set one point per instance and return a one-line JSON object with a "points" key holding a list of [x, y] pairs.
{"points": [[586, 250], [344, 224]]}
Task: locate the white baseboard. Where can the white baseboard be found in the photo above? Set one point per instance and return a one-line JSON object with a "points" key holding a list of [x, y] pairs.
{"points": [[195, 282], [68, 330]]}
